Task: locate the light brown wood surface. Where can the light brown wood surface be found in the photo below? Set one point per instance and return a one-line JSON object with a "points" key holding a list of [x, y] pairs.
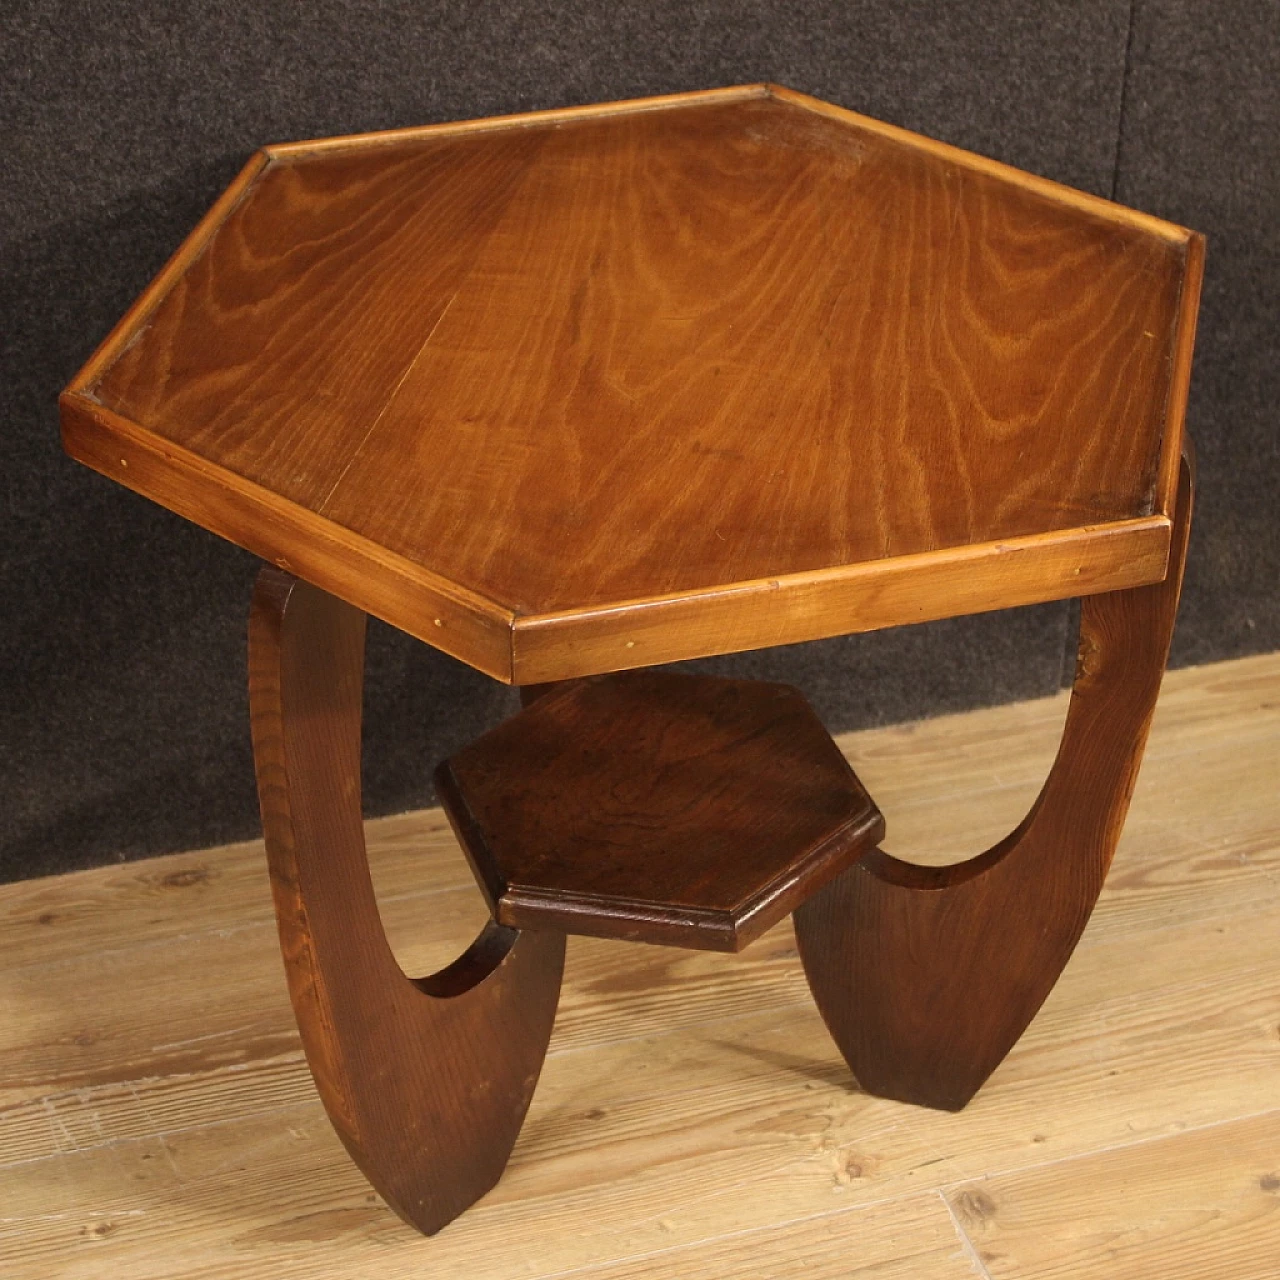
{"points": [[693, 1118], [590, 390]]}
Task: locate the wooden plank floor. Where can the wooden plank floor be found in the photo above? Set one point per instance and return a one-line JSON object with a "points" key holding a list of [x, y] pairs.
{"points": [[693, 1119]]}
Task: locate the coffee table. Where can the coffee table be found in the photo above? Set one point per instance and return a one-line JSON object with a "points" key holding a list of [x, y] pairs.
{"points": [[574, 394]]}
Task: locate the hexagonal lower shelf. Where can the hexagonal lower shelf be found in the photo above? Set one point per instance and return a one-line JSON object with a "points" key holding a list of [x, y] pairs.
{"points": [[657, 807]]}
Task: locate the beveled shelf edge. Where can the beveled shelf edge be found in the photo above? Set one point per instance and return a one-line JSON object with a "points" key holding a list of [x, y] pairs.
{"points": [[815, 605], [450, 618], [515, 120], [700, 928], [826, 860], [620, 919]]}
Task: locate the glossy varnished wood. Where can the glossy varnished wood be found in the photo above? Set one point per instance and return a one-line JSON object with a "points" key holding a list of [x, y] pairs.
{"points": [[861, 597], [426, 1081], [926, 976], [693, 1119], [590, 390], [657, 807]]}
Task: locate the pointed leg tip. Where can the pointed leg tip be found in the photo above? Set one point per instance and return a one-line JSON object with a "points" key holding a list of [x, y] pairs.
{"points": [[951, 1098]]}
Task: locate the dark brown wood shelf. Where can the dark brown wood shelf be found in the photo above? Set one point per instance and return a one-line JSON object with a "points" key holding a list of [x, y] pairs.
{"points": [[657, 807]]}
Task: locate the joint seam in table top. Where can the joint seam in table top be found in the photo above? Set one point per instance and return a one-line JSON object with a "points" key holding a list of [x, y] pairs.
{"points": [[120, 434], [513, 619]]}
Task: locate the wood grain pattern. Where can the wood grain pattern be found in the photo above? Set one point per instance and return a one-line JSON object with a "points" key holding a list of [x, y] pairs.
{"points": [[692, 1108], [572, 364], [657, 807], [1189, 894], [953, 783], [927, 976], [297, 541], [426, 1081], [904, 1240], [714, 1040], [861, 597], [1203, 1204]]}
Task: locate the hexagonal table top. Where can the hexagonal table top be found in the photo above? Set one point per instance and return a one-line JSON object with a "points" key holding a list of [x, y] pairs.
{"points": [[598, 388], [657, 806]]}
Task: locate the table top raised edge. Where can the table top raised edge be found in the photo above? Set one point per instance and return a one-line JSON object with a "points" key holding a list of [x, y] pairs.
{"points": [[532, 648], [738, 616]]}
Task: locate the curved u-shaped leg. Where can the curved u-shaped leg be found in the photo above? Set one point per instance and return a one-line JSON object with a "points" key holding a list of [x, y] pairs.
{"points": [[927, 976], [427, 1082]]}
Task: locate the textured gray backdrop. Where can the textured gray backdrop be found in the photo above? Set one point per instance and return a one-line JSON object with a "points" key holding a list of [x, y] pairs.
{"points": [[123, 725]]}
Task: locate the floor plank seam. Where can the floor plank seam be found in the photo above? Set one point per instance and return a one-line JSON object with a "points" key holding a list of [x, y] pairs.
{"points": [[596, 1045], [296, 1057], [107, 953], [221, 932], [1149, 1141], [115, 1144], [745, 1232], [715, 1158], [970, 1248], [1109, 897], [1141, 998]]}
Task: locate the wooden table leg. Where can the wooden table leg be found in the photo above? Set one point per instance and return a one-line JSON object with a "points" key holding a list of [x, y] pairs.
{"points": [[530, 693], [927, 976], [427, 1081]]}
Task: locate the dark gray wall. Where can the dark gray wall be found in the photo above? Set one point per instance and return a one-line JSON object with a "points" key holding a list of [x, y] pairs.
{"points": [[123, 726]]}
